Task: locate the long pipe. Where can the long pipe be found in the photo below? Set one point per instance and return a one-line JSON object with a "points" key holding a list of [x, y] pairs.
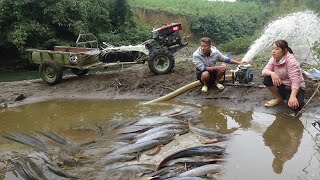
{"points": [[175, 93], [183, 89]]}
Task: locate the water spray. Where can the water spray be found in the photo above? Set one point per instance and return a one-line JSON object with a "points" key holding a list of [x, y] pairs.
{"points": [[299, 29]]}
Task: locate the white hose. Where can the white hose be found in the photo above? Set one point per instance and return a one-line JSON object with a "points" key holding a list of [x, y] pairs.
{"points": [[175, 93]]}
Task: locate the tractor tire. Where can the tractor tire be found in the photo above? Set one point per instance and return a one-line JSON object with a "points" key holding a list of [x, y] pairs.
{"points": [[79, 72], [50, 72], [161, 62]]}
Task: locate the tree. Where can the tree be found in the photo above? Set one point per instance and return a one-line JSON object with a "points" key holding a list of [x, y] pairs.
{"points": [[120, 15], [43, 24]]}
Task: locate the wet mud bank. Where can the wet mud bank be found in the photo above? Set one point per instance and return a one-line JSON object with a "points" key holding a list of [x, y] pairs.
{"points": [[177, 142], [138, 82]]}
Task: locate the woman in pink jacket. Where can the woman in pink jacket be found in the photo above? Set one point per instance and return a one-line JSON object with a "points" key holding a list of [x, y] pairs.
{"points": [[283, 77]]}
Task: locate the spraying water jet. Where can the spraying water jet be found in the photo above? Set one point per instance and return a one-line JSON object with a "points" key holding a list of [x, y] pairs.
{"points": [[301, 30]]}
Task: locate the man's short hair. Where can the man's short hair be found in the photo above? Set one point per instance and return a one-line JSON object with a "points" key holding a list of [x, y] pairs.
{"points": [[206, 40]]}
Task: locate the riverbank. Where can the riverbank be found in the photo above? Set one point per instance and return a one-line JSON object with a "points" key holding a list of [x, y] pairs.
{"points": [[137, 82]]}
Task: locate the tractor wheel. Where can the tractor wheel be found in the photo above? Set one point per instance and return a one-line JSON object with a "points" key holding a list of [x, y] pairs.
{"points": [[79, 72], [50, 72], [161, 62]]}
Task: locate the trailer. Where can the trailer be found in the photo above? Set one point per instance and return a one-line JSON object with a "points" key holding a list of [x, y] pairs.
{"points": [[157, 51]]}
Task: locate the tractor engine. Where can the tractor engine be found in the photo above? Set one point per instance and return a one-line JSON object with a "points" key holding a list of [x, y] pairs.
{"points": [[157, 51], [168, 35]]}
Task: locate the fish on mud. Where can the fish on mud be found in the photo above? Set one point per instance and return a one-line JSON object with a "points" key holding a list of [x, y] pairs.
{"points": [[117, 158], [186, 178], [37, 166], [166, 133], [195, 160], [171, 112], [55, 137], [202, 170], [176, 112], [160, 128], [125, 170], [205, 132], [27, 140], [157, 120], [194, 151], [130, 129], [132, 167], [127, 137], [165, 173], [160, 135], [27, 169], [139, 147]]}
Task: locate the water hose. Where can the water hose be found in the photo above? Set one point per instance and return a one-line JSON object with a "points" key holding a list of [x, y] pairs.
{"points": [[175, 93]]}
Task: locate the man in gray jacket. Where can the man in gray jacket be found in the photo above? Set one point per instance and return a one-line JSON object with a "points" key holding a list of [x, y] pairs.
{"points": [[205, 59]]}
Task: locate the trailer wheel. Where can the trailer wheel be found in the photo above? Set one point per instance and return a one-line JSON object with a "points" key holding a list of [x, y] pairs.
{"points": [[161, 62], [50, 72], [79, 72]]}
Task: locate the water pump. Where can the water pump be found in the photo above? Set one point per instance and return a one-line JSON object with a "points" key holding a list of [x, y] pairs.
{"points": [[242, 74]]}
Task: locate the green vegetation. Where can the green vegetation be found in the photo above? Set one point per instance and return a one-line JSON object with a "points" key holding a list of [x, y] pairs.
{"points": [[43, 24], [238, 45], [221, 21], [232, 26], [195, 7], [288, 5]]}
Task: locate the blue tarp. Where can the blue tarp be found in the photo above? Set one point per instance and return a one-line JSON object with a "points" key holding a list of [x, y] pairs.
{"points": [[313, 74]]}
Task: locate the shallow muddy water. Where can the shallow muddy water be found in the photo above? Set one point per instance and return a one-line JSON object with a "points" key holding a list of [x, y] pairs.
{"points": [[263, 146], [8, 76]]}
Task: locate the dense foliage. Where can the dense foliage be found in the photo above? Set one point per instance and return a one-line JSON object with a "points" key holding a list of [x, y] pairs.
{"points": [[43, 24]]}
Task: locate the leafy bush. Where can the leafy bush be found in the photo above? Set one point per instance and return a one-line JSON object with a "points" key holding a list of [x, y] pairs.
{"points": [[238, 45], [132, 36]]}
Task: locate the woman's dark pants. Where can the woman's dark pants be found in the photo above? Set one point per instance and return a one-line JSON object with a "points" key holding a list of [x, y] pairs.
{"points": [[285, 92]]}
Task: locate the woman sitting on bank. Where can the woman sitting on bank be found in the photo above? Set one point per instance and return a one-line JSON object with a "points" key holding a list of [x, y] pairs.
{"points": [[283, 77]]}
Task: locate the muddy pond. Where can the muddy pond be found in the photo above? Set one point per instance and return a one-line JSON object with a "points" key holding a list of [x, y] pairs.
{"points": [[259, 145]]}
